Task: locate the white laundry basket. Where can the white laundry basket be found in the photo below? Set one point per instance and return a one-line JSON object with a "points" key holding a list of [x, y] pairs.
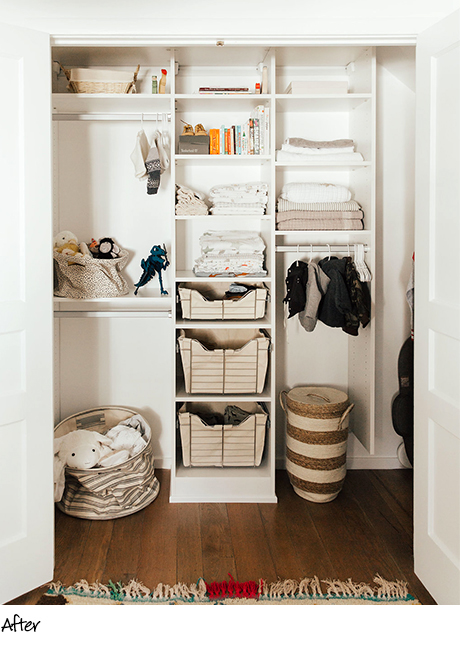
{"points": [[221, 445], [224, 360], [202, 301]]}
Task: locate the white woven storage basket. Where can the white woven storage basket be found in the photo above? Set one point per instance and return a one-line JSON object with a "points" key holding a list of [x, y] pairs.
{"points": [[108, 492], [90, 81], [221, 445], [207, 302], [223, 360]]}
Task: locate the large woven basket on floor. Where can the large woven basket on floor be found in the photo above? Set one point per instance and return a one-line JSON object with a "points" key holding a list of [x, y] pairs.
{"points": [[90, 81], [108, 492], [316, 440]]}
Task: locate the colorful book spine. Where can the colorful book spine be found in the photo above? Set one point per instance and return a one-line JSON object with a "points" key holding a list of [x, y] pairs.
{"points": [[214, 141], [222, 140], [256, 137]]}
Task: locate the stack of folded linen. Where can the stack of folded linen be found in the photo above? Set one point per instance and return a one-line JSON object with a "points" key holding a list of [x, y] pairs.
{"points": [[230, 253], [297, 149], [239, 199], [311, 206], [190, 202]]}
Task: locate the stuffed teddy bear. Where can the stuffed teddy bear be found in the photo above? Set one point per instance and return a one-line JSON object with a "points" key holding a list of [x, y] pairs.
{"points": [[67, 243]]}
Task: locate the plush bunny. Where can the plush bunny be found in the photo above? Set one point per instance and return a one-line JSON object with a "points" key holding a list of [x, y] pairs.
{"points": [[80, 449]]}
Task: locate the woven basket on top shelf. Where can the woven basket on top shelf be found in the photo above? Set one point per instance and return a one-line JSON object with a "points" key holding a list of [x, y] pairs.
{"points": [[89, 81]]}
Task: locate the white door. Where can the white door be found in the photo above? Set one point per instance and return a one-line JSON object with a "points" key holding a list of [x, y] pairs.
{"points": [[26, 423], [437, 312]]}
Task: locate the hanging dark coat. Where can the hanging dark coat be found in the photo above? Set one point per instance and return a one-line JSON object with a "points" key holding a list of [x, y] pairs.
{"points": [[296, 288], [359, 297], [336, 302]]}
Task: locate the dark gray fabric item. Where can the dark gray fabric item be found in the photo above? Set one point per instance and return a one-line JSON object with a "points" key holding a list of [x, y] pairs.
{"points": [[336, 302], [296, 284], [308, 143], [153, 167]]}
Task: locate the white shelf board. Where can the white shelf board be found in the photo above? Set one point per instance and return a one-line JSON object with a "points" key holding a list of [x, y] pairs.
{"points": [[223, 485], [219, 102], [326, 234], [320, 102], [182, 160], [189, 275], [148, 300], [223, 323], [89, 104], [182, 396]]}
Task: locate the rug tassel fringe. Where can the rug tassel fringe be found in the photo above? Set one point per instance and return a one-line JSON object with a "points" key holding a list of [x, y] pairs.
{"points": [[201, 591]]}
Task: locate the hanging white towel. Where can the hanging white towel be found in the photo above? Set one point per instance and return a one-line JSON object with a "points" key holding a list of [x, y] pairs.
{"points": [[139, 155]]}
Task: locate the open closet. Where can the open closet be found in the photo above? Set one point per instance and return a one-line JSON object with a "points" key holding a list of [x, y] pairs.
{"points": [[97, 194], [128, 351]]}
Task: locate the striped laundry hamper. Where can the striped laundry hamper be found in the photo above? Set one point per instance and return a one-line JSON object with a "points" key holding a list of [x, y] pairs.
{"points": [[108, 492], [316, 440]]}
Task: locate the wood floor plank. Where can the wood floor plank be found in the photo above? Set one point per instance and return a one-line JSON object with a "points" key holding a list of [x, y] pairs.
{"points": [[122, 557], [158, 546], [94, 558], [189, 551], [396, 488], [250, 546], [216, 542], [308, 546], [70, 545], [287, 565]]}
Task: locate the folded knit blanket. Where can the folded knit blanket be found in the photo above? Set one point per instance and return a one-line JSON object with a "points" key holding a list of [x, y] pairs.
{"points": [[301, 224], [314, 192], [286, 205], [326, 150], [286, 156], [249, 187], [309, 143], [191, 209], [240, 210], [282, 216]]}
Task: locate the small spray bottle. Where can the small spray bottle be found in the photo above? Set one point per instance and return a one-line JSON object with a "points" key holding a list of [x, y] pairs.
{"points": [[162, 84]]}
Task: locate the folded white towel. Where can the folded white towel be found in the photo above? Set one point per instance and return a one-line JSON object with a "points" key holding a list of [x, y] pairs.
{"points": [[286, 156], [314, 192], [316, 151]]}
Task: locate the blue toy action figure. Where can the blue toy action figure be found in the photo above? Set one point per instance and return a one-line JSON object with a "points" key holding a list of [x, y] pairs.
{"points": [[156, 262]]}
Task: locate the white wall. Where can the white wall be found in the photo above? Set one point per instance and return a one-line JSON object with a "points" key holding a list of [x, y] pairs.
{"points": [[221, 17]]}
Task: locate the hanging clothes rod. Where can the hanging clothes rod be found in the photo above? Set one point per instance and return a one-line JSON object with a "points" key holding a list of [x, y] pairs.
{"points": [[112, 116], [320, 248]]}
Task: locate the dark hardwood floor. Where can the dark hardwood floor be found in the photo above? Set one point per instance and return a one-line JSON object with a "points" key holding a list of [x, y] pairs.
{"points": [[366, 530]]}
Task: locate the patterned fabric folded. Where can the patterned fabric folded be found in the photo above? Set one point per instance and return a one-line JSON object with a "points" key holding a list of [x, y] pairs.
{"points": [[308, 143], [286, 205], [301, 224], [315, 192], [325, 150], [319, 215]]}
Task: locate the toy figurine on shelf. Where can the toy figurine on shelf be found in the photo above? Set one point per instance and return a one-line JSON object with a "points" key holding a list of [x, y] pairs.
{"points": [[156, 262], [162, 84]]}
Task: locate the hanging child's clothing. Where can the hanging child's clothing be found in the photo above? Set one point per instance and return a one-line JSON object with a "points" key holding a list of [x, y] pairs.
{"points": [[317, 284], [296, 285], [360, 300], [336, 301]]}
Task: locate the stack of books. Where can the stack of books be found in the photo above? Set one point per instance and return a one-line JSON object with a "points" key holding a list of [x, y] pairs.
{"points": [[250, 138]]}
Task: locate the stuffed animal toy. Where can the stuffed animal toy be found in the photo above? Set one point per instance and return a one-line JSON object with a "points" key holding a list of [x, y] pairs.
{"points": [[107, 248], [66, 243], [81, 449]]}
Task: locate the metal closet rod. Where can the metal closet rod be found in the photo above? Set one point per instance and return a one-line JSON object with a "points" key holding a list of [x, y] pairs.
{"points": [[348, 247], [112, 116]]}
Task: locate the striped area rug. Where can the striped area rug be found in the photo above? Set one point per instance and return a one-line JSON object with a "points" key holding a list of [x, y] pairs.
{"points": [[283, 592]]}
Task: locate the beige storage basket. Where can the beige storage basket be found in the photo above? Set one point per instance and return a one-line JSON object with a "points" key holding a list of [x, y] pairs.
{"points": [[220, 445], [316, 440], [86, 277], [108, 492], [224, 360], [202, 301], [89, 81]]}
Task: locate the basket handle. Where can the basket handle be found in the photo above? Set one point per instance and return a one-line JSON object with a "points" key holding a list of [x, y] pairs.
{"points": [[283, 406], [344, 415], [317, 395]]}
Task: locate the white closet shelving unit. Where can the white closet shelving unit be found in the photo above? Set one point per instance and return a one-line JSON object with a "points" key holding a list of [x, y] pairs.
{"points": [[324, 357]]}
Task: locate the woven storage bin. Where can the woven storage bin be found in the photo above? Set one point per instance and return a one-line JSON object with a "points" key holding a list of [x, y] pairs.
{"points": [[316, 440], [86, 277], [108, 492], [224, 361], [221, 445], [203, 302], [89, 81]]}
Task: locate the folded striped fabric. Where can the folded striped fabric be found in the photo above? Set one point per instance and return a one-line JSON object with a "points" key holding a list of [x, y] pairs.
{"points": [[327, 224], [314, 192], [287, 205], [283, 216]]}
